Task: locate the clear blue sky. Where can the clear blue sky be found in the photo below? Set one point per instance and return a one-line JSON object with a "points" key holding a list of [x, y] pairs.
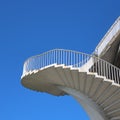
{"points": [[30, 27]]}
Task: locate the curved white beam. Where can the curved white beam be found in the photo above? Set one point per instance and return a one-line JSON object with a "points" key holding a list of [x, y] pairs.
{"points": [[109, 38], [94, 112]]}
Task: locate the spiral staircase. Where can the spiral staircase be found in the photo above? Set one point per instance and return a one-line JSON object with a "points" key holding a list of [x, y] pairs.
{"points": [[93, 80]]}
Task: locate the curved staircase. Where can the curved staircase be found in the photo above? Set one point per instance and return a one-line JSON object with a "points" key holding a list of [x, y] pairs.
{"points": [[90, 80]]}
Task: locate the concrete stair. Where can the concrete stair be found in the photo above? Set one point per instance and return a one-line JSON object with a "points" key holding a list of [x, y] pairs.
{"points": [[103, 92]]}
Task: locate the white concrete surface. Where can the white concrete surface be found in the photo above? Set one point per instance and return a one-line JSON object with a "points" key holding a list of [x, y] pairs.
{"points": [[99, 96]]}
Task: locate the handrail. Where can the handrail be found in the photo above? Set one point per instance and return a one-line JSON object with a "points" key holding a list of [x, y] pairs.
{"points": [[76, 60]]}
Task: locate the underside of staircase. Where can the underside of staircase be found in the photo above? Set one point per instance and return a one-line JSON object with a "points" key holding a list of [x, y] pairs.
{"points": [[100, 97]]}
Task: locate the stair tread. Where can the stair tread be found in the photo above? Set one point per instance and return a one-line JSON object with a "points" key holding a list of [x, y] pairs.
{"points": [[69, 77], [107, 93], [95, 86], [75, 77], [101, 89], [89, 81]]}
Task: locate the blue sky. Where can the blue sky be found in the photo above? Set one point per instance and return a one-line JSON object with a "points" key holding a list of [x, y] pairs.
{"points": [[30, 27]]}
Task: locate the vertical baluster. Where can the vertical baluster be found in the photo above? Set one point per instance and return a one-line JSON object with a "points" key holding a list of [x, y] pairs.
{"points": [[56, 56], [38, 62], [43, 60], [59, 57], [50, 57], [117, 76], [26, 68], [101, 68], [104, 74], [76, 60], [94, 67], [114, 74], [109, 75], [50, 53], [62, 57], [85, 59], [98, 66], [111, 72], [66, 57], [70, 58], [81, 59], [106, 70], [47, 59]]}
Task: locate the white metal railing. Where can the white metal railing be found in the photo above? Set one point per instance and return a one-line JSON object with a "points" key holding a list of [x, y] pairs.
{"points": [[76, 60]]}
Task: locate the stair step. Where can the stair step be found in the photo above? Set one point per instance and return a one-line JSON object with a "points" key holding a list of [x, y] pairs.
{"points": [[62, 76], [115, 118], [52, 72], [112, 107], [106, 94], [68, 76], [95, 85], [114, 113], [34, 82], [82, 78], [89, 81], [103, 86], [112, 99], [75, 77]]}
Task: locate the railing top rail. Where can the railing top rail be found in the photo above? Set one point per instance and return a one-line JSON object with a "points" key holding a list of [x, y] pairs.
{"points": [[66, 50], [57, 49]]}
